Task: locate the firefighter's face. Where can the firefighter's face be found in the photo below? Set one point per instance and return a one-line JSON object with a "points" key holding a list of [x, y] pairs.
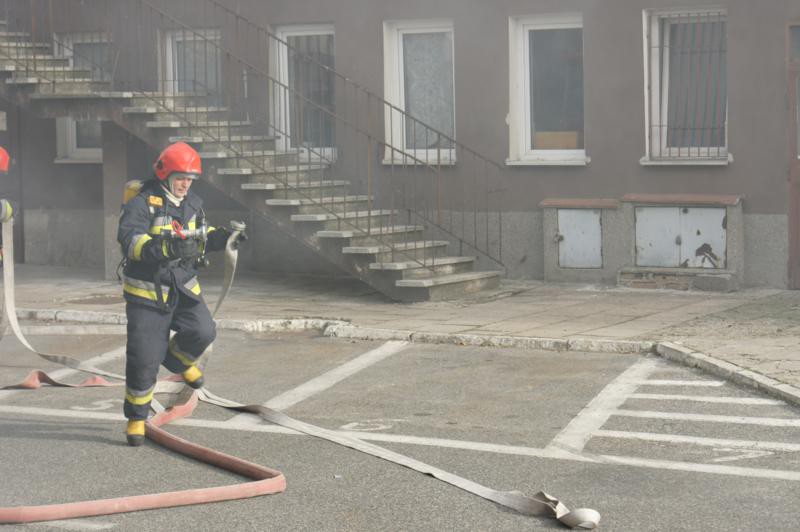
{"points": [[181, 184]]}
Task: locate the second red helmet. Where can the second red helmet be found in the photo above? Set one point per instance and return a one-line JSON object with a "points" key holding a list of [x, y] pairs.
{"points": [[5, 159], [177, 157]]}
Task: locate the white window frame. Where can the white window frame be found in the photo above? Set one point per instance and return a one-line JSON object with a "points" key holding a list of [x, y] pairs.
{"points": [[279, 70], [520, 152], [170, 38], [394, 92], [656, 95], [67, 149]]}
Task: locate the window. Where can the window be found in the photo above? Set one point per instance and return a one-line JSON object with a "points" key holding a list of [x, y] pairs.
{"points": [[419, 82], [303, 100], [686, 80], [80, 140], [192, 63], [546, 90]]}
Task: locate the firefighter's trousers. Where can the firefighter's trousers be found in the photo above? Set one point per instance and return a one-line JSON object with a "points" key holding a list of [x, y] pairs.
{"points": [[150, 346]]}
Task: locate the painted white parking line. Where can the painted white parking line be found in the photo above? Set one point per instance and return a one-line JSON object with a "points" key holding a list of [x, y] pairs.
{"points": [[326, 380], [707, 399], [65, 372], [696, 440], [662, 382], [548, 453], [679, 416], [579, 431], [695, 467]]}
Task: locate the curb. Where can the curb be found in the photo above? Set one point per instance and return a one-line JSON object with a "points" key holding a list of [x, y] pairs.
{"points": [[342, 329], [106, 318], [477, 340], [730, 372]]}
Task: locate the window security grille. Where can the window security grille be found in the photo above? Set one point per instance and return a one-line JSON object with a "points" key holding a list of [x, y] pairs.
{"points": [[687, 85]]}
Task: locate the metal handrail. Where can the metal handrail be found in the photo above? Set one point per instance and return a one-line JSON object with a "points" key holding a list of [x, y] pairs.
{"points": [[373, 140]]}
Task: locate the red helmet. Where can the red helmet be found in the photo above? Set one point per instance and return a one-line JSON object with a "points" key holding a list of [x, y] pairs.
{"points": [[178, 157], [4, 160]]}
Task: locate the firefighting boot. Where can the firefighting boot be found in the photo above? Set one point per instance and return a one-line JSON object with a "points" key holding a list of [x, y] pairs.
{"points": [[135, 432], [193, 377]]}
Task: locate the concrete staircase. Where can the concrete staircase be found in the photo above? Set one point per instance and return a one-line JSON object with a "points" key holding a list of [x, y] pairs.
{"points": [[330, 216]]}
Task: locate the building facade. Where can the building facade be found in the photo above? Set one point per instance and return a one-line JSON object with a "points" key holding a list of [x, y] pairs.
{"points": [[647, 143]]}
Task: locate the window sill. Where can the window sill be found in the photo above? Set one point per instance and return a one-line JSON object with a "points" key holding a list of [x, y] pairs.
{"points": [[584, 161], [432, 164], [77, 161], [645, 161]]}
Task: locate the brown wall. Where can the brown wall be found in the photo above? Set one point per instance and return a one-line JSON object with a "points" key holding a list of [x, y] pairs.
{"points": [[614, 93]]}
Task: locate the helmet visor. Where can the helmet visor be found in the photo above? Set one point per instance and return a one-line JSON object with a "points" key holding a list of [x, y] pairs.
{"points": [[183, 175]]}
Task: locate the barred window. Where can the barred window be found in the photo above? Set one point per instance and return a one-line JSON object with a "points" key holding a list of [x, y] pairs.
{"points": [[686, 79]]}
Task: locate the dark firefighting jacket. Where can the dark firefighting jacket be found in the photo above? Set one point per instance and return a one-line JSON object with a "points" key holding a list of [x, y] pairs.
{"points": [[149, 276]]}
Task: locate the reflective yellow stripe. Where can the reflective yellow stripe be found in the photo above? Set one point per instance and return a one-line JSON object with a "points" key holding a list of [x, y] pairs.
{"points": [[143, 400], [193, 285], [173, 349], [158, 229], [137, 248], [144, 293]]}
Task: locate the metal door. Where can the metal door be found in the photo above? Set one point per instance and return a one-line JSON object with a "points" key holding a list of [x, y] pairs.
{"points": [[580, 238], [686, 237], [703, 237], [793, 59], [658, 236]]}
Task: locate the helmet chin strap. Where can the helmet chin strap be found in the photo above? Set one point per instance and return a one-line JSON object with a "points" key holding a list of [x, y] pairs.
{"points": [[169, 189]]}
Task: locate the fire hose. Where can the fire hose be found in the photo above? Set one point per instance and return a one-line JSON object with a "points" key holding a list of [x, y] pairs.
{"points": [[264, 480]]}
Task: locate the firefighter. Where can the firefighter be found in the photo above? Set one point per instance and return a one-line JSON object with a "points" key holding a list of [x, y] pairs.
{"points": [[160, 283], [6, 208]]}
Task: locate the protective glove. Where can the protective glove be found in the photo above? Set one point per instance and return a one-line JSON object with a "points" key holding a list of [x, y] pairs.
{"points": [[239, 239], [179, 248], [219, 237]]}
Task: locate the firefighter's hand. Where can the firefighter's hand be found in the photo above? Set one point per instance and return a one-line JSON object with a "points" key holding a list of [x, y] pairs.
{"points": [[218, 238], [241, 237], [179, 248]]}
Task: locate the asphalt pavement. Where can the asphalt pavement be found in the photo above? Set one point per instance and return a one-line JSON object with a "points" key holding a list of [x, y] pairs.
{"points": [[650, 444]]}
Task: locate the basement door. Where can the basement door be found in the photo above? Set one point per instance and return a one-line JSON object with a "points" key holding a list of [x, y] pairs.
{"points": [[793, 57]]}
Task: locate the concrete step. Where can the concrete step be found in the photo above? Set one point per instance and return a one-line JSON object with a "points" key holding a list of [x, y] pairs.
{"points": [[331, 204], [400, 251], [315, 203], [33, 62], [705, 279], [345, 221], [83, 95], [65, 86], [376, 235], [154, 109], [268, 173], [444, 287], [298, 184], [162, 99], [425, 268], [254, 159], [191, 115], [312, 190], [222, 125], [254, 167], [23, 47], [225, 142], [14, 36], [41, 72]]}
